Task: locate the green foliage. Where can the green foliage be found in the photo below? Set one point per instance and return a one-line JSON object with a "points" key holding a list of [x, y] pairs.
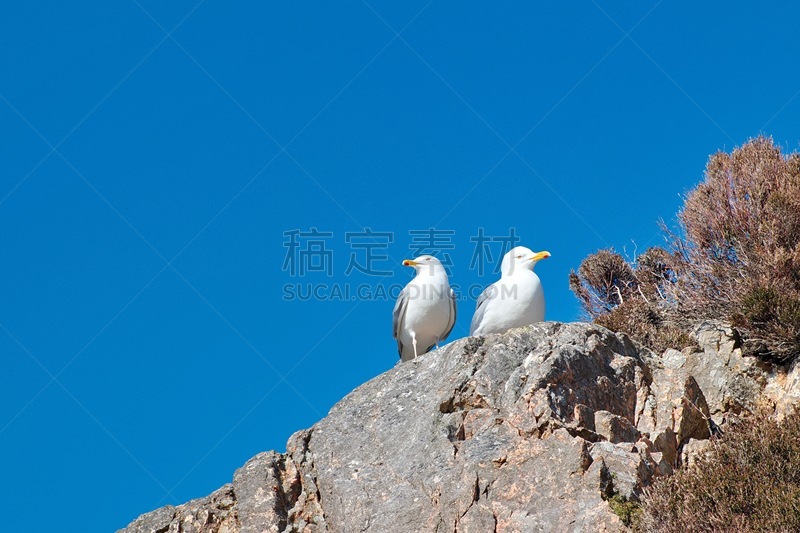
{"points": [[758, 305], [628, 511], [748, 481]]}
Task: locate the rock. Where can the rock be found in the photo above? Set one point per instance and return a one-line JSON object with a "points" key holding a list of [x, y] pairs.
{"points": [[730, 381], [533, 430], [155, 521], [693, 450], [615, 428], [260, 510], [212, 514], [692, 391]]}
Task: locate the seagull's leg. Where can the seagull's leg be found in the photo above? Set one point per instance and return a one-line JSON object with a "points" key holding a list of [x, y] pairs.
{"points": [[414, 342]]}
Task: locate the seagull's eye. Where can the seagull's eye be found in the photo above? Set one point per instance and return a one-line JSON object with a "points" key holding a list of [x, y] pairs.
{"points": [[427, 259], [519, 257]]}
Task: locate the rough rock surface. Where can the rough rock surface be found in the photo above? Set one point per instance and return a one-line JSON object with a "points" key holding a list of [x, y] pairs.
{"points": [[533, 430]]}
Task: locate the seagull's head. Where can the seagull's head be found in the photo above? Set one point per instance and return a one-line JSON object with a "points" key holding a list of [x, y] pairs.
{"points": [[425, 264], [521, 258]]}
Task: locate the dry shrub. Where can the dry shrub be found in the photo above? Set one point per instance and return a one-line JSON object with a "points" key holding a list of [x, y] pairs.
{"points": [[749, 481], [735, 256], [647, 324], [604, 281], [740, 247], [631, 298]]}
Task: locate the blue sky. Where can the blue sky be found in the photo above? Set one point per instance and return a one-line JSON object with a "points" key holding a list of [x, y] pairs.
{"points": [[158, 156]]}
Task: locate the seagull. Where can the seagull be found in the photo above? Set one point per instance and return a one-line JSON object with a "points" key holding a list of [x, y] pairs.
{"points": [[425, 311], [516, 300]]}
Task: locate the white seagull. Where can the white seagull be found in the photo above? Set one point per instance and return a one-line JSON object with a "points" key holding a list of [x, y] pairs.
{"points": [[516, 300], [425, 310]]}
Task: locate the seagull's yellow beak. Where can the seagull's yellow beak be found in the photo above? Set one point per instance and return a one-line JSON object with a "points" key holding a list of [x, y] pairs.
{"points": [[409, 263], [539, 255]]}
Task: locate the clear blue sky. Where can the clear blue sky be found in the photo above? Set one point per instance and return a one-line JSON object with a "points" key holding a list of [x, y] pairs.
{"points": [[158, 157]]}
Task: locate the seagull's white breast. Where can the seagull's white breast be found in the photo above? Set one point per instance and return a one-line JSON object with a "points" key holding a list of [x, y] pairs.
{"points": [[518, 301]]}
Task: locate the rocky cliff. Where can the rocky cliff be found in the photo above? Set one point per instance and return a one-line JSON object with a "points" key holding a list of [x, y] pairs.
{"points": [[545, 428]]}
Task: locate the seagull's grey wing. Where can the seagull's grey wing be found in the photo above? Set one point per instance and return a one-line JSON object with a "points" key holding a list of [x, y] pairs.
{"points": [[451, 321], [399, 318], [480, 309]]}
